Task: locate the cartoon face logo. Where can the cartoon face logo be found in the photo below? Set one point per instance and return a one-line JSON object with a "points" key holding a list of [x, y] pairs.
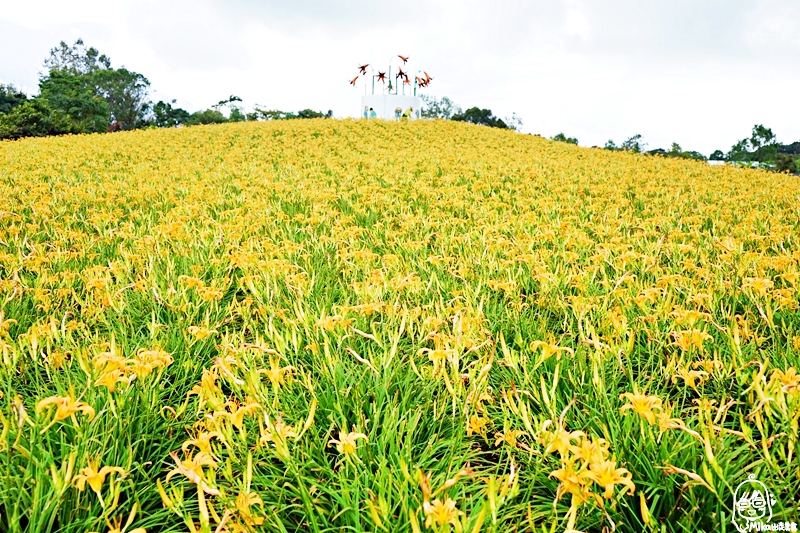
{"points": [[752, 502]]}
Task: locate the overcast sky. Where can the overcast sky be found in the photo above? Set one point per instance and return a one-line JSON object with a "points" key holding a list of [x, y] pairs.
{"points": [[697, 72]]}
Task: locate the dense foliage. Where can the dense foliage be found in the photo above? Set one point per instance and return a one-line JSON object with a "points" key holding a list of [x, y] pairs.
{"points": [[360, 325], [81, 93]]}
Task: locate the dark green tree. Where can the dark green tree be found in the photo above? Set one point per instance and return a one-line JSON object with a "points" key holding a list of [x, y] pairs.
{"points": [[764, 144], [310, 113], [564, 139], [166, 116], [209, 116], [483, 117], [126, 93], [717, 155], [10, 97], [75, 106], [786, 163], [33, 118], [634, 144], [611, 145], [740, 151]]}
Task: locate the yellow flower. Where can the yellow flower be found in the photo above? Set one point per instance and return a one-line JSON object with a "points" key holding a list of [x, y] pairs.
{"points": [[510, 437], [201, 333], [276, 372], [548, 350], [94, 477], [643, 404], [202, 441], [606, 474], [66, 406], [440, 512], [576, 483], [237, 417], [477, 425], [559, 441], [346, 443], [192, 469], [244, 502], [109, 380], [692, 338], [277, 434]]}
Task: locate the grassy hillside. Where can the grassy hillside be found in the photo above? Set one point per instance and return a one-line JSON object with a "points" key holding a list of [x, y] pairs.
{"points": [[330, 325]]}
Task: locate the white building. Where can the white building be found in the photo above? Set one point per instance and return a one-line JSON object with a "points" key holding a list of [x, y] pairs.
{"points": [[391, 106]]}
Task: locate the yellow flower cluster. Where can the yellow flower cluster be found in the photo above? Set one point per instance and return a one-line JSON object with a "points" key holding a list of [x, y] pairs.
{"points": [[298, 310]]}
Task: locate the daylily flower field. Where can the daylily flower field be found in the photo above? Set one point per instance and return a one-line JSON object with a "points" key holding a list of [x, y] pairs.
{"points": [[324, 325]]}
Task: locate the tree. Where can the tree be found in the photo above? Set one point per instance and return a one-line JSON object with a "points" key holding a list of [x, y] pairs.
{"points": [[483, 117], [76, 59], [611, 145], [10, 97], [793, 148], [75, 107], [209, 116], [634, 144], [739, 151], [564, 139], [166, 116], [444, 108], [764, 143], [786, 163], [310, 113], [126, 93], [717, 155], [33, 118]]}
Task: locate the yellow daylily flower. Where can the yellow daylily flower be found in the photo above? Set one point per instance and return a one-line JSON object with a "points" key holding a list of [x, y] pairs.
{"points": [[606, 474], [646, 406], [94, 477], [66, 406], [441, 512], [192, 469], [346, 444]]}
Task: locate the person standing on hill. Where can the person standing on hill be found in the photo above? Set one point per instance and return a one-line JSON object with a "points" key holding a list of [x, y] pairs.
{"points": [[372, 113]]}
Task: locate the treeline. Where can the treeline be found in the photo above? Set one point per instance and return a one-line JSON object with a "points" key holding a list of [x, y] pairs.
{"points": [[761, 149], [80, 92], [446, 109]]}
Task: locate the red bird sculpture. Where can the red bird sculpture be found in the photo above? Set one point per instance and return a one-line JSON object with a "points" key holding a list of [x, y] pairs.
{"points": [[404, 58], [400, 73], [381, 76], [406, 80], [353, 81], [363, 68]]}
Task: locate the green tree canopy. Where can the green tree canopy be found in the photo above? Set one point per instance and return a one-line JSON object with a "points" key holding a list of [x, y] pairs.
{"points": [[485, 117], [76, 59], [75, 106], [125, 92], [10, 97], [564, 139], [33, 118], [166, 116]]}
